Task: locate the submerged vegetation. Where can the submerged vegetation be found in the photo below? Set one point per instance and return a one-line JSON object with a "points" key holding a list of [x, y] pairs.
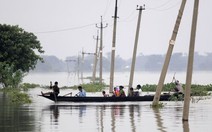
{"points": [[160, 105], [17, 96], [196, 89], [88, 87], [177, 97], [92, 87], [26, 86]]}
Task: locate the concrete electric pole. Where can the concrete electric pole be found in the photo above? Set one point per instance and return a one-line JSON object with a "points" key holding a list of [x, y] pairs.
{"points": [[100, 49], [168, 55], [113, 50], [135, 48]]}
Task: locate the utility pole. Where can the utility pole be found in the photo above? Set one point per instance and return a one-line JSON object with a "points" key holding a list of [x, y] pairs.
{"points": [[82, 65], [95, 58], [113, 50], [78, 65], [190, 62], [168, 55], [100, 49], [135, 47], [83, 53], [69, 60]]}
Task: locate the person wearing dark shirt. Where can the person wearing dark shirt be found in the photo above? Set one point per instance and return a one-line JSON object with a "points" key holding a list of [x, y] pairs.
{"points": [[131, 92], [55, 89]]}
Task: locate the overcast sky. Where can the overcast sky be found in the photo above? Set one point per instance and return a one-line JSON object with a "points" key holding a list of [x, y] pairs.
{"points": [[65, 27]]}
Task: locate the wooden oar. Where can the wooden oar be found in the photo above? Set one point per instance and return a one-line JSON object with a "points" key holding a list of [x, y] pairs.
{"points": [[55, 97], [68, 94], [173, 77]]}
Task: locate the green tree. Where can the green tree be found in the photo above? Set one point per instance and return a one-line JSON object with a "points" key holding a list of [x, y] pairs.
{"points": [[18, 50]]}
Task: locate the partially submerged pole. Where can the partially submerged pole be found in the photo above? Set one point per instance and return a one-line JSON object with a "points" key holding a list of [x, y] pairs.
{"points": [[95, 58], [168, 55], [190, 62], [82, 65], [78, 69], [135, 48], [113, 50], [101, 50]]}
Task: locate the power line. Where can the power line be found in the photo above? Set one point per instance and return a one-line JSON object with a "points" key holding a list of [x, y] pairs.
{"points": [[168, 1], [129, 18], [168, 8], [107, 6], [66, 29]]}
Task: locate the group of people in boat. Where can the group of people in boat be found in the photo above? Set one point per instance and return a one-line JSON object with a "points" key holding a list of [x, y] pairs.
{"points": [[117, 91]]}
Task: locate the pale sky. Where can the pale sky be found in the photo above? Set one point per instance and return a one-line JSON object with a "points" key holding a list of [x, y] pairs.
{"points": [[65, 27]]}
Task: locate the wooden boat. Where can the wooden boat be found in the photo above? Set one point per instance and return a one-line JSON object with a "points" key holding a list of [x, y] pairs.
{"points": [[164, 97]]}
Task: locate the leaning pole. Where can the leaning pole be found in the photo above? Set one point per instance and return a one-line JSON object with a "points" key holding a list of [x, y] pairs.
{"points": [[168, 55], [190, 62], [95, 58], [135, 48]]}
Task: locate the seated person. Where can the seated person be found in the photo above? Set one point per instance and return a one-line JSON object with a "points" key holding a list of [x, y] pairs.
{"points": [[131, 92], [116, 92], [81, 93], [138, 91], [122, 92], [104, 94]]}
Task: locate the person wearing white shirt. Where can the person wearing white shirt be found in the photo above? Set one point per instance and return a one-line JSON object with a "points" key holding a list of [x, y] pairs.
{"points": [[138, 90], [81, 93]]}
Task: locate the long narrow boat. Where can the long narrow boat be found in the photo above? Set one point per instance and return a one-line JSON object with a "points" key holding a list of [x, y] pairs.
{"points": [[164, 97]]}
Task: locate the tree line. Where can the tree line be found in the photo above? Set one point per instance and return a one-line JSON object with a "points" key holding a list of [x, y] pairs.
{"points": [[143, 63]]}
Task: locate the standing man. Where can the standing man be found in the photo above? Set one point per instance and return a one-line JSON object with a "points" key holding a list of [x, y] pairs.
{"points": [[55, 89]]}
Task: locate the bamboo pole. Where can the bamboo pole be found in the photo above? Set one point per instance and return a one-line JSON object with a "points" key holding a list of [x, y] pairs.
{"points": [[168, 55], [190, 62]]}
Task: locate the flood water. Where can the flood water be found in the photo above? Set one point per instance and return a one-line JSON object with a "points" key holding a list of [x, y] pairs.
{"points": [[120, 78], [44, 115]]}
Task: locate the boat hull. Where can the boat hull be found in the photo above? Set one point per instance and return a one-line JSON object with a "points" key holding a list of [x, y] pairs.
{"points": [[165, 97]]}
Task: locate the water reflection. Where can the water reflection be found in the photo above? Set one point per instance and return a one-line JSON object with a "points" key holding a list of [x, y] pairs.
{"points": [[116, 112], [103, 120], [82, 110], [45, 116], [15, 118], [132, 116], [159, 120], [185, 126], [55, 111]]}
